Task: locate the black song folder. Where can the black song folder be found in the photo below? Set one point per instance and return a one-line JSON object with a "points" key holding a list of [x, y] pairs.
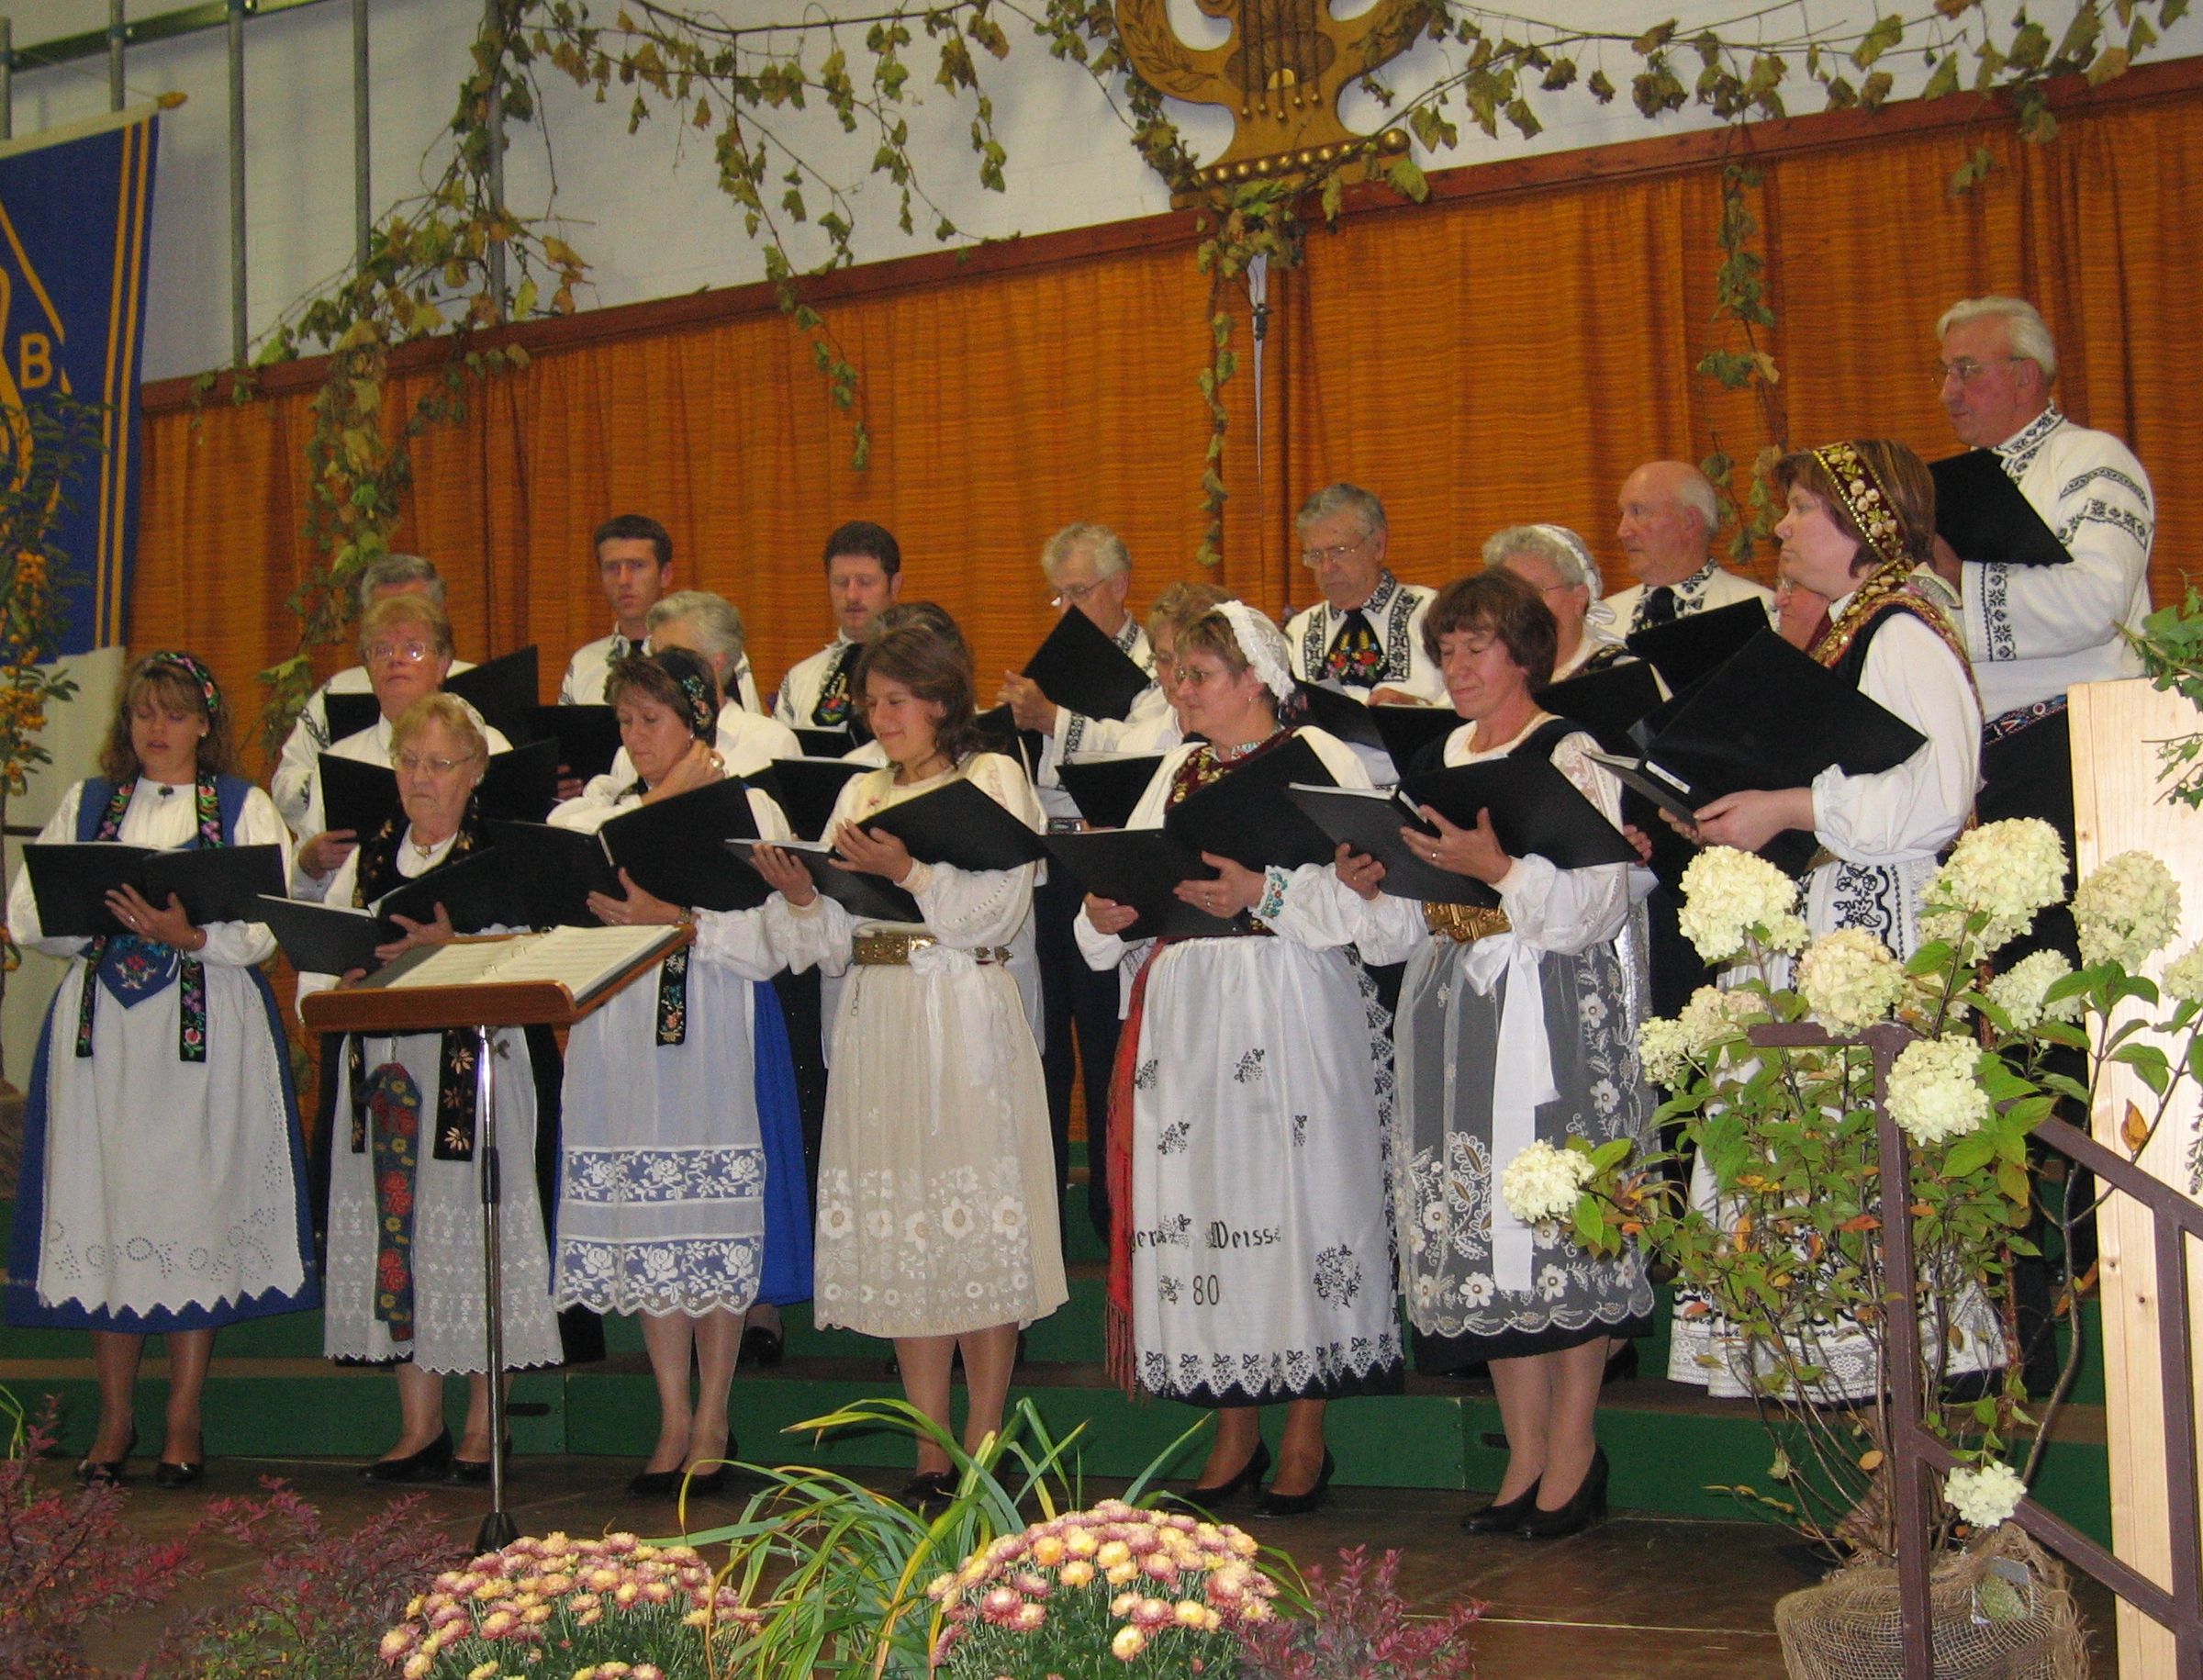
{"points": [[827, 743], [1106, 786], [1083, 670], [959, 824], [1688, 649], [519, 785], [1248, 817], [588, 736], [1408, 732], [674, 849], [1608, 702], [1141, 866], [1370, 823], [349, 713], [504, 689], [870, 898], [808, 789], [553, 870], [216, 883], [1979, 510]]}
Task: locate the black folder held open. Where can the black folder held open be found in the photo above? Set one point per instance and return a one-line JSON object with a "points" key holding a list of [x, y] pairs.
{"points": [[808, 789], [675, 848], [1979, 510], [216, 883], [1083, 670], [588, 736], [521, 785], [868, 898], [476, 891], [1106, 786]]}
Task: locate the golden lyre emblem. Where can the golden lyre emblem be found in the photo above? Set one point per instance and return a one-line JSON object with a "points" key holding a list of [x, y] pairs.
{"points": [[1279, 73]]}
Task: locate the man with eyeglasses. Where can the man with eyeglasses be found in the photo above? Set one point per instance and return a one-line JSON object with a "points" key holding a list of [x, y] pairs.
{"points": [[1089, 570], [864, 576], [2034, 631], [292, 785], [1366, 634], [1669, 511]]}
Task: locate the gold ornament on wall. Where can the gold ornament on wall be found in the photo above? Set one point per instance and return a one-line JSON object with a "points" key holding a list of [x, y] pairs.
{"points": [[1280, 73]]}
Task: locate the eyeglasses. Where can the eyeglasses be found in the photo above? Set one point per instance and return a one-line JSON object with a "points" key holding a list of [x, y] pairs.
{"points": [[410, 653], [1075, 594], [1966, 370], [409, 764], [1314, 559]]}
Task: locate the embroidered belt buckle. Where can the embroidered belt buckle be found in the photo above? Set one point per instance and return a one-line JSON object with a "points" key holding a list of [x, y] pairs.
{"points": [[1466, 924], [2007, 723], [885, 949]]}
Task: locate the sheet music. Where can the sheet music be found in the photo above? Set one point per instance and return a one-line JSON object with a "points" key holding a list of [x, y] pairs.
{"points": [[580, 958]]}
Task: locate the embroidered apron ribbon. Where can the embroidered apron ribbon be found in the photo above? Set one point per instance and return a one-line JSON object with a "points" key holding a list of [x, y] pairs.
{"points": [[130, 969]]}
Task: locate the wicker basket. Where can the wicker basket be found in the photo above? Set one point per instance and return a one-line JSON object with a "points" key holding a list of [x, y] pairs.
{"points": [[2002, 1612]]}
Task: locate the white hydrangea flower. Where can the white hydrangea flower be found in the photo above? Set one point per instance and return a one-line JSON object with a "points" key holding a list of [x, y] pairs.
{"points": [[1716, 1014], [2183, 975], [2009, 870], [2127, 910], [1543, 1182], [1984, 1495], [1665, 1048], [2018, 991], [1933, 1094], [1726, 893], [1849, 980]]}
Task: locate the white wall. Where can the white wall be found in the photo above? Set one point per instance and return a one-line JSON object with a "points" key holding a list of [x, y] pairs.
{"points": [[647, 210]]}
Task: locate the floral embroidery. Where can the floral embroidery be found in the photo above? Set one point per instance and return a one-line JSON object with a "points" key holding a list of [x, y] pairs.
{"points": [[1174, 1138], [673, 998], [1338, 1276], [1250, 1070]]}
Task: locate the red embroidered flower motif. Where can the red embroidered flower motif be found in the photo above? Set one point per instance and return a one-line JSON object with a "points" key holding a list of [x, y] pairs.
{"points": [[390, 1270]]}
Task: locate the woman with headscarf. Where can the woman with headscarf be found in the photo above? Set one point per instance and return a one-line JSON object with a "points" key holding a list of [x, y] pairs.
{"points": [[162, 1190], [682, 1191], [1252, 1263]]}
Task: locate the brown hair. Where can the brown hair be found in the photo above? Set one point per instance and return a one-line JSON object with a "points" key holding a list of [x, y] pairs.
{"points": [[1183, 601], [410, 608], [171, 685], [933, 615], [1499, 603], [448, 710], [674, 678], [1907, 488], [934, 668]]}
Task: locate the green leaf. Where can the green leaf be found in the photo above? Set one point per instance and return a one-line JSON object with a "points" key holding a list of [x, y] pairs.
{"points": [[1886, 33], [1969, 1154]]}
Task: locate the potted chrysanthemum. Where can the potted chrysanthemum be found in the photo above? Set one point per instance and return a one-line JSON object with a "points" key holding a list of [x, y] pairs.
{"points": [[1778, 1242]]}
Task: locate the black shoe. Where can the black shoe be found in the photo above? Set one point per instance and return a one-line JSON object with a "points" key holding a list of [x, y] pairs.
{"points": [[183, 1473], [427, 1465], [1620, 1366], [928, 1492], [710, 1482], [1497, 1519], [92, 1473], [474, 1472], [1201, 1501], [1587, 1505], [1275, 1504], [655, 1485], [762, 1346]]}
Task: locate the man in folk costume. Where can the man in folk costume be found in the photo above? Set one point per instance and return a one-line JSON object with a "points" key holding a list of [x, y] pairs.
{"points": [[1366, 634], [1669, 511], [635, 568], [2033, 630], [864, 576], [1089, 570]]}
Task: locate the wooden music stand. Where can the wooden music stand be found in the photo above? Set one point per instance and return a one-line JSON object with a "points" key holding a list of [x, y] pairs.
{"points": [[375, 1006]]}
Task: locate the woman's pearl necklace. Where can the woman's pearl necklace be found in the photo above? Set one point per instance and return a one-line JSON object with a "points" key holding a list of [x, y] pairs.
{"points": [[1227, 754]]}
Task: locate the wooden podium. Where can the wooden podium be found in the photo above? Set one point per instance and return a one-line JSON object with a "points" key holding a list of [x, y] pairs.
{"points": [[521, 979]]}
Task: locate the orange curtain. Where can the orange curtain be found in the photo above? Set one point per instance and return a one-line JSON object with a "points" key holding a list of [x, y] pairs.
{"points": [[1493, 358]]}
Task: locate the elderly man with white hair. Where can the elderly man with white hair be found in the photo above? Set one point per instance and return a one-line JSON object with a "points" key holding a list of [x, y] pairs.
{"points": [[1366, 634], [1089, 570], [2034, 631], [1557, 563], [1669, 511]]}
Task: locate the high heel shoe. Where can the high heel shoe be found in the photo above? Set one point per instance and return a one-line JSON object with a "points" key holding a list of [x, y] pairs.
{"points": [[1586, 1507], [93, 1472], [1275, 1504], [1497, 1519], [474, 1472], [426, 1466], [928, 1493], [1201, 1501], [182, 1473]]}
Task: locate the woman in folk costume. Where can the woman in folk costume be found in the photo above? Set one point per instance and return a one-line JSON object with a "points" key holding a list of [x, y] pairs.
{"points": [[162, 1191], [1515, 1024], [1858, 530], [404, 1270], [937, 1222], [682, 1194], [1251, 1250]]}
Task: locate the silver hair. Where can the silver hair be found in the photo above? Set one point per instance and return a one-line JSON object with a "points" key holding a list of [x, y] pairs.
{"points": [[718, 622], [1696, 491], [1111, 558], [1342, 498], [393, 571], [2029, 333], [1568, 553]]}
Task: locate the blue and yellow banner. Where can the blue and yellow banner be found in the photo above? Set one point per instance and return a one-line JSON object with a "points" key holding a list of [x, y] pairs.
{"points": [[74, 213]]}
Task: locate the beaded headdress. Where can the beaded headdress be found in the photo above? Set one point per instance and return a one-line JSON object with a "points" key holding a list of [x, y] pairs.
{"points": [[1865, 501]]}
